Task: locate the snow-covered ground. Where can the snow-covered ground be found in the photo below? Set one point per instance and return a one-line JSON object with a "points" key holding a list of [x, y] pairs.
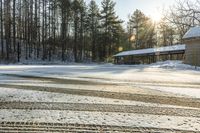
{"points": [[101, 118], [12, 95], [169, 76], [156, 83]]}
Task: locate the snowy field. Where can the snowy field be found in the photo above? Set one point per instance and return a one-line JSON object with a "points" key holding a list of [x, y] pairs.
{"points": [[164, 96]]}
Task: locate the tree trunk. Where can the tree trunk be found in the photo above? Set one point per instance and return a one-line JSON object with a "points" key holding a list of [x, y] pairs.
{"points": [[14, 26], [2, 38], [7, 24]]}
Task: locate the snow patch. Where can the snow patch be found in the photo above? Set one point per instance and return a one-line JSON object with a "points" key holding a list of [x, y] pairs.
{"points": [[173, 65]]}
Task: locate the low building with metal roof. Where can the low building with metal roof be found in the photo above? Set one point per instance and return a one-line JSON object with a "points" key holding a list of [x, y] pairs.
{"points": [[151, 55]]}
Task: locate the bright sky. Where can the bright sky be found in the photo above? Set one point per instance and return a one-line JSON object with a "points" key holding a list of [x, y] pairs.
{"points": [[152, 8]]}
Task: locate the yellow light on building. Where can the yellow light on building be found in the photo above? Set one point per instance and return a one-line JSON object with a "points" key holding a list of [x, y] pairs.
{"points": [[120, 49], [132, 38]]}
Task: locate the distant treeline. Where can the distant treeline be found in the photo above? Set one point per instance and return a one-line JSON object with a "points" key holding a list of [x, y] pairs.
{"points": [[71, 30]]}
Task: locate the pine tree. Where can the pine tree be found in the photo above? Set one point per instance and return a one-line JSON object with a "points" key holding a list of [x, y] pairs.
{"points": [[93, 27], [82, 29], [76, 19], [109, 20], [65, 6], [143, 29]]}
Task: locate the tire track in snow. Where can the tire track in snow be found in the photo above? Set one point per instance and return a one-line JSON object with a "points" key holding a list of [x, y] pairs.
{"points": [[179, 101], [30, 127], [100, 108]]}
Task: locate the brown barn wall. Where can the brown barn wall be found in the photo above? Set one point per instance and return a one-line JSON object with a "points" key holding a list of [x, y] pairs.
{"points": [[192, 53]]}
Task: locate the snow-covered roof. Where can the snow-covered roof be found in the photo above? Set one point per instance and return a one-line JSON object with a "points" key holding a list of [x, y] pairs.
{"points": [[192, 33], [179, 47]]}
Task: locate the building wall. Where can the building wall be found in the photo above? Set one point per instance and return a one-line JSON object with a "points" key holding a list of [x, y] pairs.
{"points": [[148, 59], [192, 53]]}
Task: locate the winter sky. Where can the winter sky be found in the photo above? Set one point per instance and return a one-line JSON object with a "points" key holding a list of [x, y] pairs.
{"points": [[152, 8]]}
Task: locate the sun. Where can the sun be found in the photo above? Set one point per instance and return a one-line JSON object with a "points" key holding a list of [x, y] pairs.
{"points": [[156, 17]]}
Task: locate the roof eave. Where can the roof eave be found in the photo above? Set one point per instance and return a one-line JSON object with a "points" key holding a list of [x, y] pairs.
{"points": [[191, 39]]}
